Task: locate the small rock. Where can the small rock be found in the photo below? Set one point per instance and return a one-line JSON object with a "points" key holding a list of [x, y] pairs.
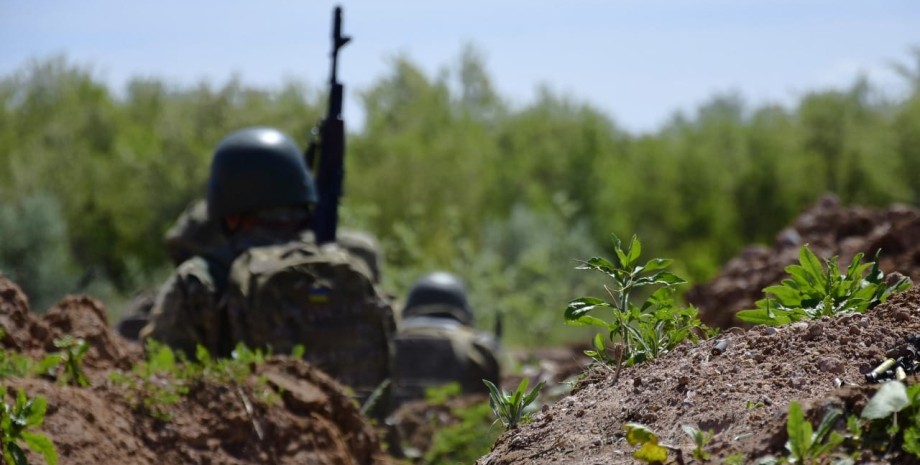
{"points": [[814, 331], [799, 326], [831, 365], [901, 316]]}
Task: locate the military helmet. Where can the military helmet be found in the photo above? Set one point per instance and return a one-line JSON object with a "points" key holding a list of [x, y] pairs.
{"points": [[439, 294], [258, 168]]}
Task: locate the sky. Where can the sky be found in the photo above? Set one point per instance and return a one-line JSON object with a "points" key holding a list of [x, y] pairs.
{"points": [[637, 61]]}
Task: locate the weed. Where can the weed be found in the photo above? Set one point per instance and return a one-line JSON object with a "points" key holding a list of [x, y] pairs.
{"points": [[700, 440], [509, 408], [647, 330], [891, 419], [464, 441], [72, 353], [15, 421], [813, 291], [806, 445]]}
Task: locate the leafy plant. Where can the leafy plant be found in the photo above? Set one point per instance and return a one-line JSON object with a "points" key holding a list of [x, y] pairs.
{"points": [[15, 421], [891, 418], [649, 449], [805, 444], [73, 351], [700, 440], [813, 291], [154, 384], [647, 330], [510, 408]]}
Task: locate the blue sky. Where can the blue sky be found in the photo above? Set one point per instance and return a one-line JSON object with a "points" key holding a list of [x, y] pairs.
{"points": [[638, 61]]}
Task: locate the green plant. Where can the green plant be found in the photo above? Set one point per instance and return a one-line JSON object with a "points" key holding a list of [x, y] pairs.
{"points": [[155, 383], [891, 418], [15, 421], [73, 351], [510, 408], [645, 331], [649, 448], [813, 291], [700, 440], [467, 438], [806, 445]]}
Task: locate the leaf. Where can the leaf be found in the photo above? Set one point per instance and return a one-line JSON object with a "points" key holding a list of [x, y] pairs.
{"points": [[785, 294], [41, 444], [635, 249], [35, 411], [637, 433], [811, 264], [656, 264], [799, 430], [576, 311], [651, 452], [19, 456], [890, 398]]}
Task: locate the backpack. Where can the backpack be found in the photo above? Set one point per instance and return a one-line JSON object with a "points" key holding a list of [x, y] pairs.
{"points": [[281, 296], [433, 352]]}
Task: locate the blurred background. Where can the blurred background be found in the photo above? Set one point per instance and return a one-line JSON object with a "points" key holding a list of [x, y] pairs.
{"points": [[499, 140]]}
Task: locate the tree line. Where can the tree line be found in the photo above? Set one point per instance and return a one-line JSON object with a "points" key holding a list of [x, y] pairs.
{"points": [[445, 171]]}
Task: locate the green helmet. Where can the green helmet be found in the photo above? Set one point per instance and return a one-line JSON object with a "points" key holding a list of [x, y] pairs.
{"points": [[258, 168], [439, 294]]}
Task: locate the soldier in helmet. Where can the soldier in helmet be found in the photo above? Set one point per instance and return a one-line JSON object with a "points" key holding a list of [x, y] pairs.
{"points": [[270, 285], [436, 343]]}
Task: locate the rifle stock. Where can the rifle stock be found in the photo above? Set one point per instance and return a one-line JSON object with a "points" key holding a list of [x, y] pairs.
{"points": [[330, 172]]}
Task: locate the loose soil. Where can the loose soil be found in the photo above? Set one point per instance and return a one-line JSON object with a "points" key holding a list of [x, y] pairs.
{"points": [[743, 392], [312, 421]]}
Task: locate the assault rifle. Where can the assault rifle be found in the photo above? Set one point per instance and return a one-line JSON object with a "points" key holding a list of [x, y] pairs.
{"points": [[330, 168]]}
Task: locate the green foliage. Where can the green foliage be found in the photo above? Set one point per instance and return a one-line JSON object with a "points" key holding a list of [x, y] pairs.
{"points": [[164, 378], [73, 351], [813, 291], [891, 419], [700, 440], [112, 168], [510, 409], [805, 444], [34, 251], [649, 451], [465, 440], [16, 421], [439, 395], [646, 330]]}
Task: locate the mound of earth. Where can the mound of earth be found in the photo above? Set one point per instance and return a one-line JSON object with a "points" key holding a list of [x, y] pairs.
{"points": [[741, 393], [829, 229], [311, 420]]}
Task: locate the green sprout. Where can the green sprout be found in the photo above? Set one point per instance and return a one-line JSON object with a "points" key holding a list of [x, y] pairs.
{"points": [[509, 408]]}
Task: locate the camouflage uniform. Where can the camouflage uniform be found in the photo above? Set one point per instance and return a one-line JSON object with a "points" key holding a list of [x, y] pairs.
{"points": [[270, 285], [436, 343]]}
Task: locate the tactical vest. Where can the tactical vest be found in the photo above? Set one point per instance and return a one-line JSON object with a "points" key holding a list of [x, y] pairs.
{"points": [[300, 294], [433, 352]]}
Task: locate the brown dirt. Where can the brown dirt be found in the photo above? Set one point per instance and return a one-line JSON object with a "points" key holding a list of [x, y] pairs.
{"points": [[314, 421], [742, 394], [829, 229]]}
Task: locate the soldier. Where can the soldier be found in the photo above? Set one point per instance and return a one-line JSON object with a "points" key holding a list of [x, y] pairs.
{"points": [[270, 285], [436, 343]]}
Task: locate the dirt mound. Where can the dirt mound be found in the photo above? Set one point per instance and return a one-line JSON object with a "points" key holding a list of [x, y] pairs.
{"points": [[741, 393], [829, 229], [286, 412]]}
